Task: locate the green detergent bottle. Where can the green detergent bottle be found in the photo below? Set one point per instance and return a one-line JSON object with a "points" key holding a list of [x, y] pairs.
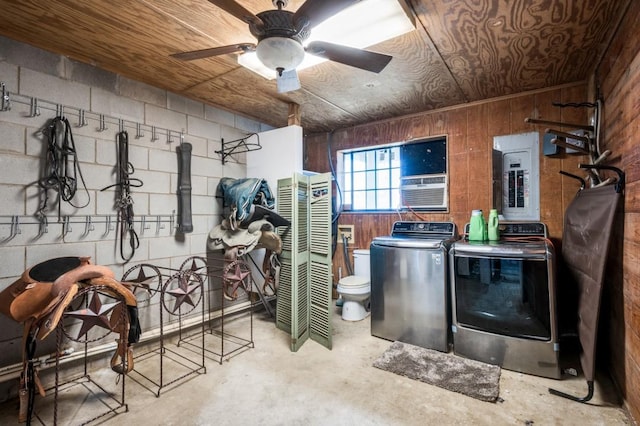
{"points": [[493, 231], [476, 226]]}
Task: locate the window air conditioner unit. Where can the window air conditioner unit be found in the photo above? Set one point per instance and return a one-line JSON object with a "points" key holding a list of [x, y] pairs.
{"points": [[424, 192]]}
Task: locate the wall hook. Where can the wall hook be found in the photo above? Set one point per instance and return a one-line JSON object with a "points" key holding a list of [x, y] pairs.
{"points": [[15, 227], [88, 226], [159, 224], [6, 100], [108, 226], [101, 123], [143, 225], [34, 109], [82, 120], [60, 110], [120, 125], [169, 138], [139, 133], [154, 136], [66, 226], [43, 228]]}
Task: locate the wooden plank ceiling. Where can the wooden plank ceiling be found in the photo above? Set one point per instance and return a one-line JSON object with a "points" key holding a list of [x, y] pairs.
{"points": [[461, 51]]}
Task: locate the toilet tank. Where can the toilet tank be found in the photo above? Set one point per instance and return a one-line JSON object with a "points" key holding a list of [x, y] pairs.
{"points": [[361, 264]]}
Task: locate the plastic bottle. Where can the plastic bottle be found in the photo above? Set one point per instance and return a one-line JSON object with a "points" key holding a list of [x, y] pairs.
{"points": [[476, 226], [493, 232]]}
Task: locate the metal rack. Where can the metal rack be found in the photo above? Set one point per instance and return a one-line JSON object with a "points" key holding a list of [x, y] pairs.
{"points": [[102, 401], [229, 344], [238, 146], [87, 223], [148, 278], [103, 120]]}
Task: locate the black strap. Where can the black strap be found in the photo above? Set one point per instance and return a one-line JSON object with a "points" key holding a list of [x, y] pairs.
{"points": [[30, 374], [124, 202], [62, 169]]}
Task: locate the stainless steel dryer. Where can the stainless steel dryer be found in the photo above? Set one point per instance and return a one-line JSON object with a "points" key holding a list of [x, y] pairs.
{"points": [[503, 299], [409, 284]]}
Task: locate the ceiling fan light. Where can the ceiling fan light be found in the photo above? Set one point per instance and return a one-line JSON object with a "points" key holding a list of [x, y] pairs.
{"points": [[280, 52]]}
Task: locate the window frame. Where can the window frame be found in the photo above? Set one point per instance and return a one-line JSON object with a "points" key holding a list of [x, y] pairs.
{"points": [[341, 175]]}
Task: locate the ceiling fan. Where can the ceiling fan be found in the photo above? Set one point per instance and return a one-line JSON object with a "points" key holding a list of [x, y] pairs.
{"points": [[281, 34]]}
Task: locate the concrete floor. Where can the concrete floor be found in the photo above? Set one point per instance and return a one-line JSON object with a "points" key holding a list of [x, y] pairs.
{"points": [[270, 385]]}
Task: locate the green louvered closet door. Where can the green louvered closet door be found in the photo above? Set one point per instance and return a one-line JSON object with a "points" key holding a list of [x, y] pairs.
{"points": [[320, 281], [304, 290]]}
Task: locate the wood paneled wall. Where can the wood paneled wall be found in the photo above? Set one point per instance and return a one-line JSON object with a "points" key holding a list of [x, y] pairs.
{"points": [[619, 80], [470, 130]]}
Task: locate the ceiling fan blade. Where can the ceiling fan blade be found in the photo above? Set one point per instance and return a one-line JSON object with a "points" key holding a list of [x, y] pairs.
{"points": [[214, 51], [359, 58], [288, 81], [235, 9], [317, 11]]}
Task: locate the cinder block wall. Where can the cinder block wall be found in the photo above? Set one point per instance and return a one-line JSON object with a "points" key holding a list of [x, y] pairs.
{"points": [[52, 79]]}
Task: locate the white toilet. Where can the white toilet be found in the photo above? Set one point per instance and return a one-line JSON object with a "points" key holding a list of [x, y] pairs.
{"points": [[356, 289]]}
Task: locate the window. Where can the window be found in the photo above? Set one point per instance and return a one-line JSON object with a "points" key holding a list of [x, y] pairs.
{"points": [[371, 178], [394, 176]]}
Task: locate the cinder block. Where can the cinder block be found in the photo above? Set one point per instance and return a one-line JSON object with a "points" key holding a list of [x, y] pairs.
{"points": [[212, 185], [164, 118], [154, 182], [234, 170], [142, 92], [13, 138], [20, 170], [163, 204], [203, 205], [8, 70], [97, 176], [13, 200], [40, 253], [165, 161], [139, 157], [199, 185], [201, 166], [111, 104], [218, 115], [168, 247], [26, 56], [53, 89], [247, 124], [188, 106], [106, 153], [89, 75], [198, 145], [203, 128], [231, 133], [13, 261]]}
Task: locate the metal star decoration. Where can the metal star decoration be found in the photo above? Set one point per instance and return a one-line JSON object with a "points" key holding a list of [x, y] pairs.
{"points": [[142, 281], [194, 267], [183, 292], [238, 274], [95, 315], [234, 280]]}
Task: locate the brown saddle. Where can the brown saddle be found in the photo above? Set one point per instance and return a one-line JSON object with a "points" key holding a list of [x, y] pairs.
{"points": [[41, 295]]}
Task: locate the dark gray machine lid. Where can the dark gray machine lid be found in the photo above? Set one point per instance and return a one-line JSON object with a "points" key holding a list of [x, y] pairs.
{"points": [[419, 234]]}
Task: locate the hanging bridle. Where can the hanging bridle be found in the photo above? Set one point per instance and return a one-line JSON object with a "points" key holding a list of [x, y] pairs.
{"points": [[124, 202]]}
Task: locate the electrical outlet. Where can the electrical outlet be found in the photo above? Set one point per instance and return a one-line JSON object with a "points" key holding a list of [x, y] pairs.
{"points": [[345, 231]]}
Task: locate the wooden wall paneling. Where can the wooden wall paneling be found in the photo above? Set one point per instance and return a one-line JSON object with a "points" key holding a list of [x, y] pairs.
{"points": [[619, 78], [500, 122], [479, 172], [551, 181], [456, 131], [621, 51], [521, 107]]}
